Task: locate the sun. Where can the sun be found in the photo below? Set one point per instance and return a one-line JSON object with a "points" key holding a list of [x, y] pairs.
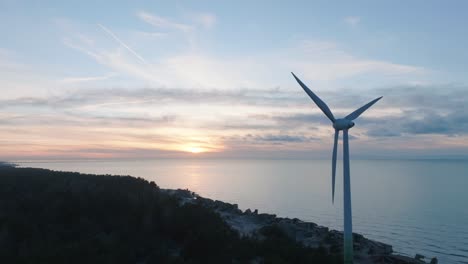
{"points": [[199, 148], [196, 150]]}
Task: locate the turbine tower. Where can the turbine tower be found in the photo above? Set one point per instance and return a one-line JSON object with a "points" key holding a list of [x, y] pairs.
{"points": [[341, 124]]}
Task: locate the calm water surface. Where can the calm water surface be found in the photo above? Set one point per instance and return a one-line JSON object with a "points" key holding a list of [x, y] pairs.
{"points": [[416, 206]]}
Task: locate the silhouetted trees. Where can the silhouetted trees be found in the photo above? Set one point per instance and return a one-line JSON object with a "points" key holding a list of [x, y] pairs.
{"points": [[64, 217]]}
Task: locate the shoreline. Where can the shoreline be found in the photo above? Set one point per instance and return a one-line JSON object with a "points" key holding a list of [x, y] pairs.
{"points": [[250, 223], [309, 234]]}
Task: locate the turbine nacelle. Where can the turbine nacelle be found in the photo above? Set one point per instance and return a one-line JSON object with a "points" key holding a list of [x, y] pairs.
{"points": [[342, 124]]}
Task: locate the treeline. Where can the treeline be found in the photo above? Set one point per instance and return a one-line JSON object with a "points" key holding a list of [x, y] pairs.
{"points": [[63, 217]]}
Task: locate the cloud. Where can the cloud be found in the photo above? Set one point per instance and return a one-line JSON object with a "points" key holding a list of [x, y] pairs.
{"points": [[280, 138], [163, 23], [404, 110], [117, 61], [327, 61], [420, 122], [301, 118], [189, 69], [162, 96], [78, 119], [18, 78], [352, 20], [424, 110], [206, 20], [157, 35], [87, 78], [261, 140]]}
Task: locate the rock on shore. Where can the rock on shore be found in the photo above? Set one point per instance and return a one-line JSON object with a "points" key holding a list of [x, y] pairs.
{"points": [[248, 223]]}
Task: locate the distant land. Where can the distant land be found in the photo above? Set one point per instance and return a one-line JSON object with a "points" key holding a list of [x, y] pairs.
{"points": [[65, 217]]}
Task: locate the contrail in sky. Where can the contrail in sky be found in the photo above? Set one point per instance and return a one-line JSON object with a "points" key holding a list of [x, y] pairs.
{"points": [[123, 44]]}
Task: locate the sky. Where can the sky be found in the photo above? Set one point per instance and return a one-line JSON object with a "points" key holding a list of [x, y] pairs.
{"points": [[178, 79]]}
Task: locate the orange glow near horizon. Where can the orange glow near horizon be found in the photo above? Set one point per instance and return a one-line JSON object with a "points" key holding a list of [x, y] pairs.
{"points": [[196, 150], [199, 145]]}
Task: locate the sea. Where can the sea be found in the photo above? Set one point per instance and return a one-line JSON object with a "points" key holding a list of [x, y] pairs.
{"points": [[417, 206]]}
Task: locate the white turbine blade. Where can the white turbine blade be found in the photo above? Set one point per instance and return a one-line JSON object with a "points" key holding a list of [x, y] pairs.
{"points": [[335, 145], [348, 221], [316, 99], [361, 110]]}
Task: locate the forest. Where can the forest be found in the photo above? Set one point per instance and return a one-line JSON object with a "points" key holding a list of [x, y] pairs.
{"points": [[65, 217]]}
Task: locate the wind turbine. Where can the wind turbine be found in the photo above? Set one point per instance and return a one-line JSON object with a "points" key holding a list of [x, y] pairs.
{"points": [[341, 124]]}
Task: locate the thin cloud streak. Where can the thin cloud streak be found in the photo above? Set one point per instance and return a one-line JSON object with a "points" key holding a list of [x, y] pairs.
{"points": [[87, 79], [160, 22], [123, 44]]}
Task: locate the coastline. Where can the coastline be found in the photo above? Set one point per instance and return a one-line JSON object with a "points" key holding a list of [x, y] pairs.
{"points": [[249, 223]]}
